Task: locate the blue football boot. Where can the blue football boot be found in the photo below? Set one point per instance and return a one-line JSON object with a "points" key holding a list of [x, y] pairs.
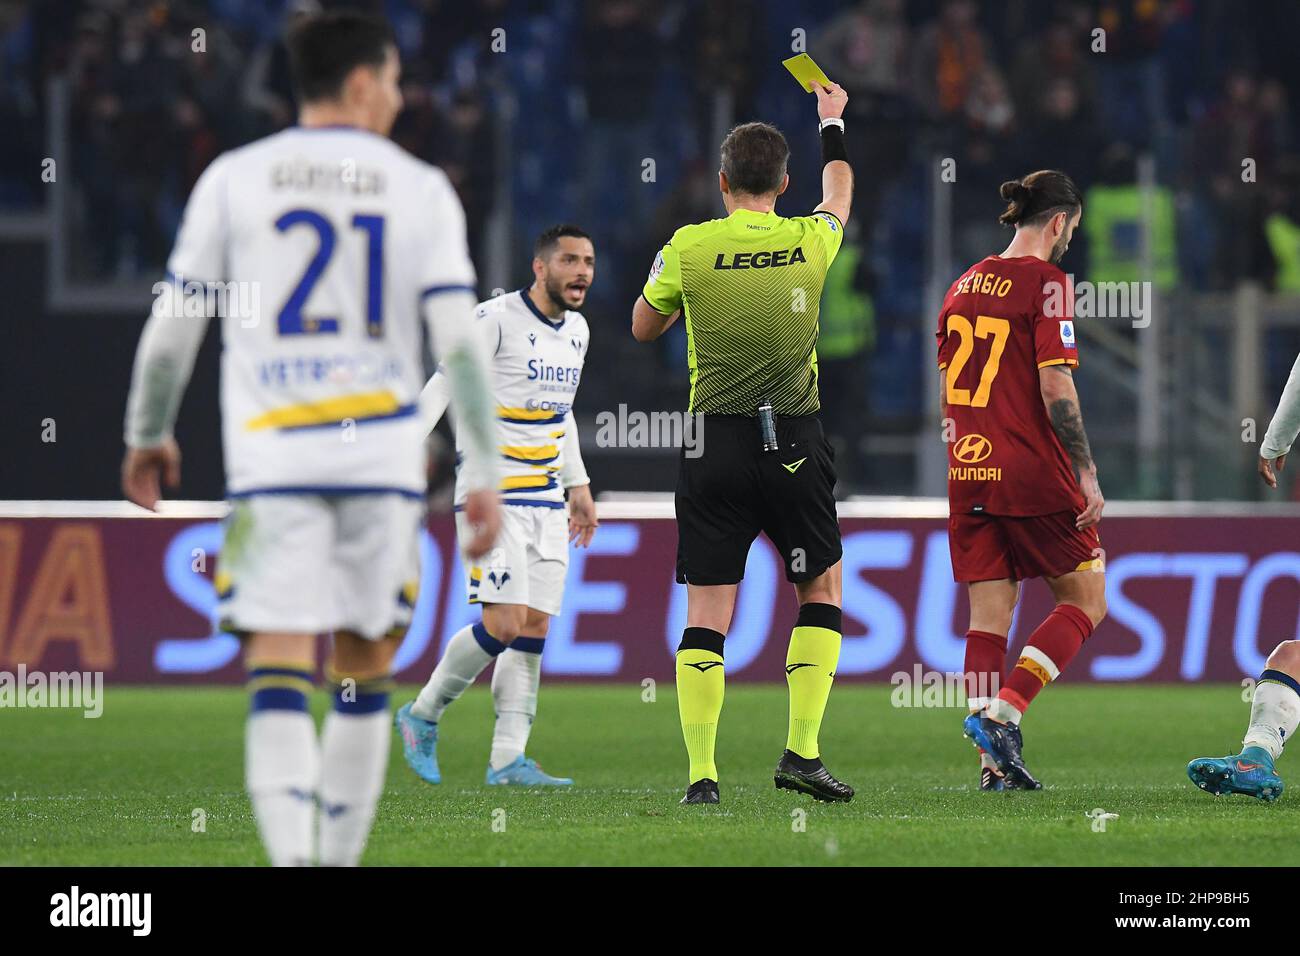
{"points": [[1003, 743], [524, 772], [1249, 772], [419, 743]]}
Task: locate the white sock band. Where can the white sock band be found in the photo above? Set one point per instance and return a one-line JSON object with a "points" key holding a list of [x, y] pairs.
{"points": [[1003, 712], [1274, 713], [281, 767], [514, 693]]}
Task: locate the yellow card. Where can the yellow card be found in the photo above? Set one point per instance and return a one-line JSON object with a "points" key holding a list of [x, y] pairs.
{"points": [[806, 71]]}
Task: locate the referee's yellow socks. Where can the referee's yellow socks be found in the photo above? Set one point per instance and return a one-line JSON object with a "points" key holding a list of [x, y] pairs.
{"points": [[700, 687], [809, 671]]}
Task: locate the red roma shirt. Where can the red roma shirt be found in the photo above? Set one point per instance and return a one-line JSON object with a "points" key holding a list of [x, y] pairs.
{"points": [[1002, 321]]}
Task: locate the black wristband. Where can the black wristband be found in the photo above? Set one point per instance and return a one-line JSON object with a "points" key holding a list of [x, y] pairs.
{"points": [[833, 144]]}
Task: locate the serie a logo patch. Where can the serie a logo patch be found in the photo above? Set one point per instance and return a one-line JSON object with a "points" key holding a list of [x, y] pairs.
{"points": [[1067, 333]]}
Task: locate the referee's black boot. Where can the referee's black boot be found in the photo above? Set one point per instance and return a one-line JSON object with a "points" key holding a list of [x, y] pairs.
{"points": [[702, 791], [810, 776]]}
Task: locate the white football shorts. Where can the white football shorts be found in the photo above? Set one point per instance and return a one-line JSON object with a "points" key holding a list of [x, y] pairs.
{"points": [[529, 562], [305, 564]]}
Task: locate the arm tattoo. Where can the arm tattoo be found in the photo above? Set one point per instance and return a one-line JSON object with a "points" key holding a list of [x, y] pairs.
{"points": [[1067, 422]]}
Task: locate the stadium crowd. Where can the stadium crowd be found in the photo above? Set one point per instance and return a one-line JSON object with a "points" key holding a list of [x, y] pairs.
{"points": [[608, 111]]}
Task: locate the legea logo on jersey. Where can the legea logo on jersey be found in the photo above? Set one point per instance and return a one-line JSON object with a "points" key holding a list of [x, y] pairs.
{"points": [[760, 260], [972, 449]]}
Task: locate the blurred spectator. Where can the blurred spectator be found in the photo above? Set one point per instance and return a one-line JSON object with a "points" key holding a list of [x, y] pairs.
{"points": [[951, 52], [1129, 78], [724, 33], [1060, 52], [622, 63], [1062, 134], [986, 152], [1233, 145], [865, 49]]}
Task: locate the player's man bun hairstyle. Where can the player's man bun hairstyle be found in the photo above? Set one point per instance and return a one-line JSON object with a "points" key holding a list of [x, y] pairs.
{"points": [[325, 47], [1033, 199], [550, 238], [754, 157]]}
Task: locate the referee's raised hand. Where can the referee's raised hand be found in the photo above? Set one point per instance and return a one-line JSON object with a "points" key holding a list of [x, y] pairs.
{"points": [[831, 101]]}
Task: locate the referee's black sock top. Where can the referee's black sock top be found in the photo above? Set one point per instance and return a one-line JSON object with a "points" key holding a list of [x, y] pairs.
{"points": [[814, 614], [702, 639]]}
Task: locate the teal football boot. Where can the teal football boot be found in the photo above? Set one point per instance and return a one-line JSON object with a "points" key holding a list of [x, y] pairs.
{"points": [[524, 772], [419, 743], [1249, 772]]}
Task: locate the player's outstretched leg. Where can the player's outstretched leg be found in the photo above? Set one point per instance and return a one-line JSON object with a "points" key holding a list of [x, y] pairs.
{"points": [[282, 758], [514, 692], [700, 689], [810, 670], [469, 652], [1274, 714]]}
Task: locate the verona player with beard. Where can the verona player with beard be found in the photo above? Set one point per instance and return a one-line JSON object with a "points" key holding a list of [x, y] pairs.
{"points": [[539, 342], [1024, 501]]}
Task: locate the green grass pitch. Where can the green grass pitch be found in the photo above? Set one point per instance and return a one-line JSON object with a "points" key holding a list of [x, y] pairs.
{"points": [[123, 789]]}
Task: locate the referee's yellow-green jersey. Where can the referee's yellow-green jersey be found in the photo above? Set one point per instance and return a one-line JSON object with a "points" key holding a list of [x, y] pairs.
{"points": [[748, 287]]}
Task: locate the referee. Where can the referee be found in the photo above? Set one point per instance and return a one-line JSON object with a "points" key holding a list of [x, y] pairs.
{"points": [[748, 288]]}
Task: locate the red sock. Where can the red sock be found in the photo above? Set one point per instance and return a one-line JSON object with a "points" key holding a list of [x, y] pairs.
{"points": [[986, 656], [1047, 652]]}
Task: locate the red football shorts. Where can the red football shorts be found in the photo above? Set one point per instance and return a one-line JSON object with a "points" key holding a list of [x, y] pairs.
{"points": [[994, 547]]}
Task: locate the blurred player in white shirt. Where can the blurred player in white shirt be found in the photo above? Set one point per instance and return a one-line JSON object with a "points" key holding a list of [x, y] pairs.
{"points": [[330, 243], [1275, 703], [539, 344]]}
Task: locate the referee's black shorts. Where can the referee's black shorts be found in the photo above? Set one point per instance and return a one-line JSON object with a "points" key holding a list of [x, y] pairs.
{"points": [[734, 490]]}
